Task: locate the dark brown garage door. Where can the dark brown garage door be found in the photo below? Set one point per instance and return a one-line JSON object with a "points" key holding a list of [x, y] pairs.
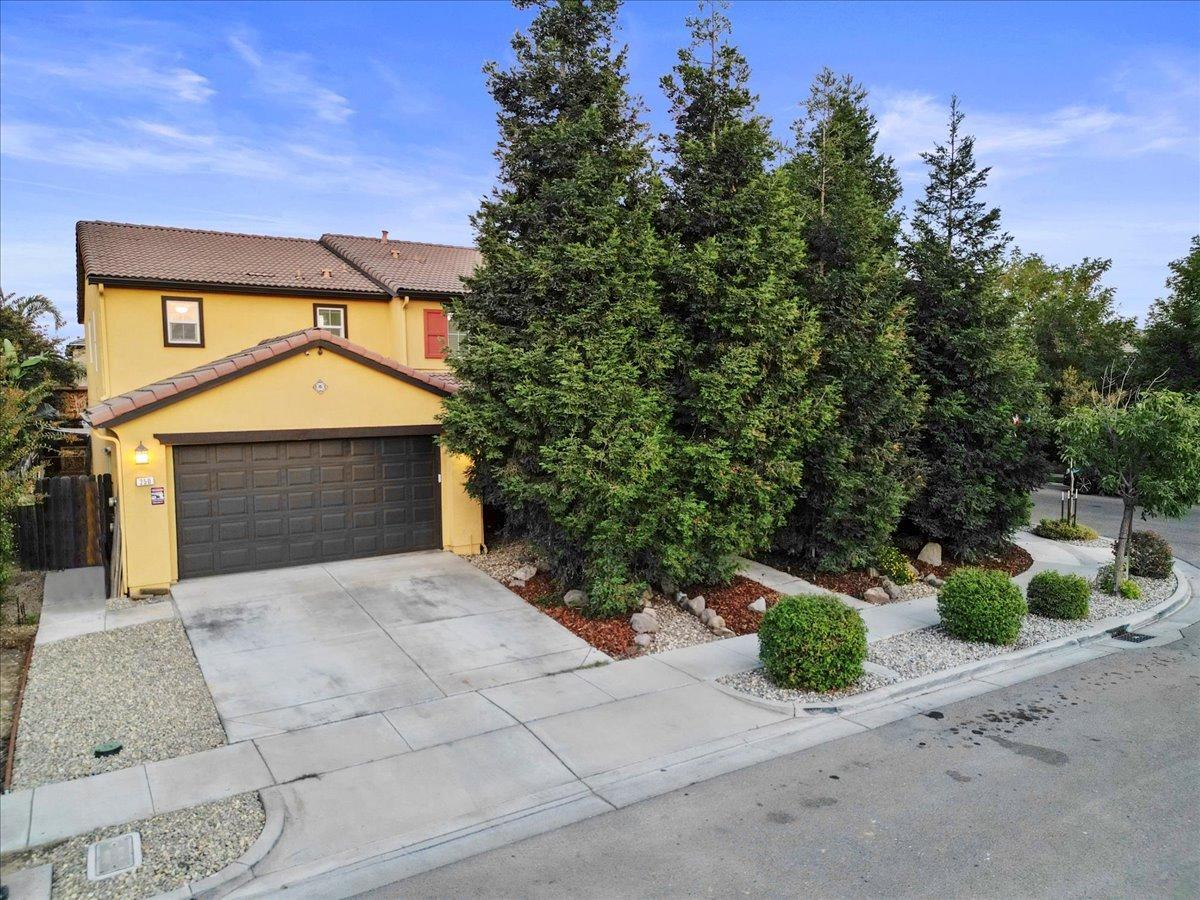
{"points": [[241, 507]]}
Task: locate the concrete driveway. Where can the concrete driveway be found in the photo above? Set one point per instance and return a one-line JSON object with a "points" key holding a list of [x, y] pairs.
{"points": [[290, 648]]}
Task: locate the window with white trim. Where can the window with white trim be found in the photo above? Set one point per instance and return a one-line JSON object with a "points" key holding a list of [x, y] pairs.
{"points": [[183, 322], [331, 319], [454, 333]]}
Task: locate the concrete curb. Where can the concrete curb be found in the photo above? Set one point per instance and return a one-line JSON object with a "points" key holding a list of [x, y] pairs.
{"points": [[915, 687], [222, 882]]}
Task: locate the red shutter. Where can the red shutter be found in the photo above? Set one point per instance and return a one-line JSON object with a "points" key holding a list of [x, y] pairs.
{"points": [[437, 334]]}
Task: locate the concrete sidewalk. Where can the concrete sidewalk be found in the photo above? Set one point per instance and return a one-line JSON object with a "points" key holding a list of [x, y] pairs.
{"points": [[74, 604]]}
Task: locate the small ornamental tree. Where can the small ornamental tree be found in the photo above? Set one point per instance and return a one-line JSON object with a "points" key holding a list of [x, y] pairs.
{"points": [[23, 432], [565, 411], [745, 409], [980, 433], [1144, 450], [1169, 350], [861, 470]]}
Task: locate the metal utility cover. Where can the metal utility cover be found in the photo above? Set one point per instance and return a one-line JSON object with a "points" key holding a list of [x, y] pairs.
{"points": [[114, 856]]}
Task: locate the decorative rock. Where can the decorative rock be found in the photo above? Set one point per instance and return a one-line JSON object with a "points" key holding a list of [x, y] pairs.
{"points": [[873, 572], [892, 589], [643, 640], [758, 606], [681, 598], [716, 624], [726, 632], [933, 580], [931, 554], [647, 596], [575, 599], [522, 575], [696, 605], [876, 595], [644, 623], [706, 615]]}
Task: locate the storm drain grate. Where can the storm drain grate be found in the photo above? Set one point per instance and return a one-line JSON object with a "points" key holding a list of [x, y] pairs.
{"points": [[1133, 637], [114, 856]]}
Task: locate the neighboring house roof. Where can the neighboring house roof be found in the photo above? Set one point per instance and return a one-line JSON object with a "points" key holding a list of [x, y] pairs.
{"points": [[403, 266], [124, 407], [335, 266]]}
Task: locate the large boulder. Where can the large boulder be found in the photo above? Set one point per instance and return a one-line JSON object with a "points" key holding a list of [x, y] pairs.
{"points": [[876, 595], [644, 623], [696, 605], [931, 554], [575, 599]]}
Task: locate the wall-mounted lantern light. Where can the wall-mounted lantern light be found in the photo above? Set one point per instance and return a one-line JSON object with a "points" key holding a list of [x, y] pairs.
{"points": [[141, 455]]}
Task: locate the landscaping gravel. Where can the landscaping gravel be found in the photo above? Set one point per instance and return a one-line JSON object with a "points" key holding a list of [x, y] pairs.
{"points": [[503, 559], [757, 684], [139, 685], [679, 629], [927, 650], [176, 847]]}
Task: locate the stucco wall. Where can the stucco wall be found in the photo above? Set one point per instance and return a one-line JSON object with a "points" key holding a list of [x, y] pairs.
{"points": [[279, 396]]}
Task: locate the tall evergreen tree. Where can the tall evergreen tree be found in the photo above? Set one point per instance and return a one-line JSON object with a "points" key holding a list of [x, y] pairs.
{"points": [[980, 431], [858, 474], [1169, 349], [745, 411], [565, 412]]}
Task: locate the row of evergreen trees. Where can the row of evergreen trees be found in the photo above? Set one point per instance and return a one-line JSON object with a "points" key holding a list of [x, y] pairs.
{"points": [[668, 366]]}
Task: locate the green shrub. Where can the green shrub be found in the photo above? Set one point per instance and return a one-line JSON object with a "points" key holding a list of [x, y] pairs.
{"points": [[1059, 596], [1130, 590], [982, 605], [1149, 555], [1104, 578], [812, 642], [1062, 530], [894, 565]]}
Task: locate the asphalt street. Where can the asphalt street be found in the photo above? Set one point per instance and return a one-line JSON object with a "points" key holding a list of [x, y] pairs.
{"points": [[1083, 783], [1104, 514]]}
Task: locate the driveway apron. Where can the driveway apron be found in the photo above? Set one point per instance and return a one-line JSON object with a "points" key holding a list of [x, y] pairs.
{"points": [[291, 648]]}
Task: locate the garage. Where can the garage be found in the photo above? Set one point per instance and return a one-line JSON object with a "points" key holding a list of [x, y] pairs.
{"points": [[265, 503]]}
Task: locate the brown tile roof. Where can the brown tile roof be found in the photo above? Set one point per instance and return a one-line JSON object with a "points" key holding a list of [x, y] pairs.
{"points": [[407, 266], [138, 402], [185, 258]]}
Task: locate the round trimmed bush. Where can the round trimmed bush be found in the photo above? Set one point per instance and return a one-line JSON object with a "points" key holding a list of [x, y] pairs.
{"points": [[1149, 555], [1059, 596], [982, 605], [812, 642]]}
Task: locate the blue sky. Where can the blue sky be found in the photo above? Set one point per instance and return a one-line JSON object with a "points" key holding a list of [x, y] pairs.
{"points": [[299, 119]]}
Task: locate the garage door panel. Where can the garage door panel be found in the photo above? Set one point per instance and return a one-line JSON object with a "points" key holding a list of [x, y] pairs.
{"points": [[260, 505]]}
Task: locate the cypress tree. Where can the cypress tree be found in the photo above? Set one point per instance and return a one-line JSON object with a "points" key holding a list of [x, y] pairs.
{"points": [[564, 411], [980, 431], [858, 475], [744, 409]]}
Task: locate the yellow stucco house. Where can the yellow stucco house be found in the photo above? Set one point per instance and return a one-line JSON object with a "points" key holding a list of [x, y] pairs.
{"points": [[266, 401]]}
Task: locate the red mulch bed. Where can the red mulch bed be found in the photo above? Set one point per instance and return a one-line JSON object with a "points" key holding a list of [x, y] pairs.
{"points": [[730, 602], [1013, 561], [614, 636]]}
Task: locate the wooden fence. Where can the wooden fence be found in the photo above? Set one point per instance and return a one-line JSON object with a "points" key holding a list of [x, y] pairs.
{"points": [[69, 524]]}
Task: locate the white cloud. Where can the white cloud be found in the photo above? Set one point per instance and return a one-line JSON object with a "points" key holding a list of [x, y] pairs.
{"points": [[1017, 143], [125, 70], [284, 75]]}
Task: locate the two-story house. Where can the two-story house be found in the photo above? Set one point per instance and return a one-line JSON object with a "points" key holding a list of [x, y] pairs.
{"points": [[267, 401]]}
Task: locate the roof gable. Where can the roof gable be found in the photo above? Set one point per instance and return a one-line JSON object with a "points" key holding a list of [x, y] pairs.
{"points": [[135, 403], [407, 266]]}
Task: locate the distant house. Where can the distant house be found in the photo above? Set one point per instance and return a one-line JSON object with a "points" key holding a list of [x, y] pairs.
{"points": [[270, 401]]}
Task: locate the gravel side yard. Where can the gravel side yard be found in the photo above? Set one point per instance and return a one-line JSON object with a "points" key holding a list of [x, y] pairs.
{"points": [[140, 686], [20, 610], [176, 847], [929, 650]]}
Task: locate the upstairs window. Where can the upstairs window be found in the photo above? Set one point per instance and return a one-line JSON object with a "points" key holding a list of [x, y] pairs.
{"points": [[332, 319], [183, 321], [454, 334]]}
